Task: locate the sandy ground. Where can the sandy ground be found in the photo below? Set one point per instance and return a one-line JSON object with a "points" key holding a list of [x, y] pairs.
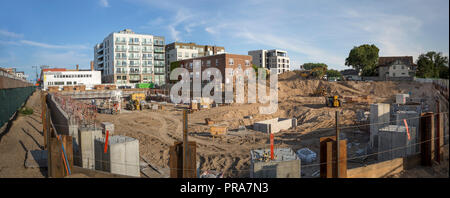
{"points": [[159, 129], [25, 134]]}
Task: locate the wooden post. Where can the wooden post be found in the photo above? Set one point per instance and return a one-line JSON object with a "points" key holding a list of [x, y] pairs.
{"points": [[337, 139], [439, 141], [426, 138], [328, 158], [176, 161], [56, 162]]}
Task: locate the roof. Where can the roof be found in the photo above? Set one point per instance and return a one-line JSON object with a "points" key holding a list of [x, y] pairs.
{"points": [[54, 69], [349, 72], [388, 60]]}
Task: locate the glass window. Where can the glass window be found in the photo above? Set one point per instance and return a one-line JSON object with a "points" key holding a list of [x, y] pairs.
{"points": [[230, 61]]}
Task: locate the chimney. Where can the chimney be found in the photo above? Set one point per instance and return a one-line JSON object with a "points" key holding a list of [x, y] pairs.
{"points": [[77, 67], [92, 65]]}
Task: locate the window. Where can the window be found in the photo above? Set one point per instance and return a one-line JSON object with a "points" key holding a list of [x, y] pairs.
{"points": [[230, 61], [180, 54], [403, 67], [190, 65], [217, 62], [247, 63], [186, 54], [208, 63], [394, 66]]}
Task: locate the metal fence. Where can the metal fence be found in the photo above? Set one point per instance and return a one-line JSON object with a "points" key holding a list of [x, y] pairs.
{"points": [[11, 100]]}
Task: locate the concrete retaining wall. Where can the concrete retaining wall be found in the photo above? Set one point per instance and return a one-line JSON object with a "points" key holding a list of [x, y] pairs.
{"points": [[122, 156]]}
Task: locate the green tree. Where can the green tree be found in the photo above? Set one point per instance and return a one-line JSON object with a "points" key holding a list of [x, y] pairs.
{"points": [[309, 66], [432, 65], [174, 65], [363, 58], [333, 73]]}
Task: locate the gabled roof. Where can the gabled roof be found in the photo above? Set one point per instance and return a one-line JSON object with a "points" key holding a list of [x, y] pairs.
{"points": [[388, 60]]}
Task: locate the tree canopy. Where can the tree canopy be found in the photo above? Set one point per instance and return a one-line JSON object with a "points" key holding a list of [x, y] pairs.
{"points": [[309, 66], [432, 65], [333, 73], [363, 58]]}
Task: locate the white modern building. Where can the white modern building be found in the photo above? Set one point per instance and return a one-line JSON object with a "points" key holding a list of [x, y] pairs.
{"points": [[125, 58], [64, 77], [271, 59]]}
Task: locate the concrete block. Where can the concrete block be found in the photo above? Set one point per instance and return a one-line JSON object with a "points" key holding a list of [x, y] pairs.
{"points": [[412, 119], [379, 118], [393, 142], [285, 165], [274, 125], [401, 98], [108, 126], [86, 141], [122, 156]]}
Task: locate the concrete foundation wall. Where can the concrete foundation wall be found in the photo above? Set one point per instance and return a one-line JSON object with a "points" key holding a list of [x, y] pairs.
{"points": [[412, 119], [379, 117], [122, 156], [393, 142], [276, 169], [384, 169], [59, 118], [286, 164], [108, 126], [87, 149], [401, 98], [274, 125]]}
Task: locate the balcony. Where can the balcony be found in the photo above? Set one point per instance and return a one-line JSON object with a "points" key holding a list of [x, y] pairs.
{"points": [[134, 43], [134, 49], [121, 49], [121, 57], [147, 43], [135, 72], [120, 42], [147, 50], [158, 43], [147, 58], [134, 57], [121, 72], [159, 57]]}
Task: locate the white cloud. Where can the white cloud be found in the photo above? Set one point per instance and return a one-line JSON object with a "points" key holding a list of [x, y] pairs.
{"points": [[10, 34], [104, 3], [51, 46], [66, 59]]}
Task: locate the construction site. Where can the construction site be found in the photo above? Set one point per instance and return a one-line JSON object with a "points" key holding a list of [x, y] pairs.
{"points": [[383, 129]]}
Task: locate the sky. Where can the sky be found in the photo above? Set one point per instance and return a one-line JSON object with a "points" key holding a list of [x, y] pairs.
{"points": [[63, 33]]}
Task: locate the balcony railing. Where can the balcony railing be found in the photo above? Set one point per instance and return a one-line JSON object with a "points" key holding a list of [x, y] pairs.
{"points": [[147, 49], [121, 57], [147, 43], [122, 49], [134, 57], [121, 42], [134, 43], [121, 72], [135, 49], [135, 72]]}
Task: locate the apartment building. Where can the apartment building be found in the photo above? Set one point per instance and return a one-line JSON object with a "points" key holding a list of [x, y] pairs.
{"points": [[220, 61], [178, 51], [126, 58], [271, 59]]}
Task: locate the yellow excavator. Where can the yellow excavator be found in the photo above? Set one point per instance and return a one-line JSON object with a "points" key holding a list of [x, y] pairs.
{"points": [[135, 101], [333, 101]]}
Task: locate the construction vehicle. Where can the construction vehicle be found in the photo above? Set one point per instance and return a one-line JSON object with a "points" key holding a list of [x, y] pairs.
{"points": [[135, 101], [333, 101]]}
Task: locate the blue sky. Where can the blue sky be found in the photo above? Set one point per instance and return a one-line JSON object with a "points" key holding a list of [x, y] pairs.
{"points": [[62, 33]]}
